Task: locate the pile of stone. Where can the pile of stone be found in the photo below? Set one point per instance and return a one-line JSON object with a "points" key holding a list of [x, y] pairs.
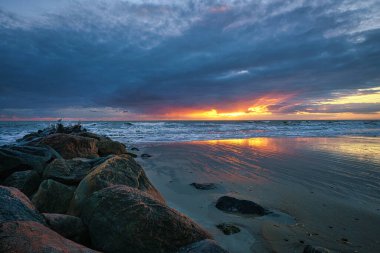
{"points": [[64, 189]]}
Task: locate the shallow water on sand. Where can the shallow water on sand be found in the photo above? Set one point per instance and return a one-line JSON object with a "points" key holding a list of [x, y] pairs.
{"points": [[325, 187]]}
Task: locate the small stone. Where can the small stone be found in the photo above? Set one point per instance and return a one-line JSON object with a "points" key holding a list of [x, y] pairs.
{"points": [[204, 186], [228, 229], [234, 205], [145, 156]]}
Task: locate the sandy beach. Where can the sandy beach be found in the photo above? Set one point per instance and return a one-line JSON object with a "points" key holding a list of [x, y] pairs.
{"points": [[321, 191]]}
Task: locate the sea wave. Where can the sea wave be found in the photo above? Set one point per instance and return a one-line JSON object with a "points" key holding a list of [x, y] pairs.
{"points": [[179, 131]]}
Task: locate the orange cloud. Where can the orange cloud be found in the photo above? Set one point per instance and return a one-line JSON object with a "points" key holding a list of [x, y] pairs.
{"points": [[242, 110]]}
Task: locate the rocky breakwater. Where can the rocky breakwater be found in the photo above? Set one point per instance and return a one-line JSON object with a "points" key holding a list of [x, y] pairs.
{"points": [[64, 189]]}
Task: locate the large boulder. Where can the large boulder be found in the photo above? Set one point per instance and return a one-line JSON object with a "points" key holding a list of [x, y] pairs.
{"points": [[234, 205], [68, 171], [68, 226], [117, 170], [15, 206], [53, 197], [30, 237], [26, 181], [205, 246], [110, 147], [18, 158], [71, 146], [121, 217]]}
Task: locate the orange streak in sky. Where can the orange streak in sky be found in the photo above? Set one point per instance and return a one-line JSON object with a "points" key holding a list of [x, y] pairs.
{"points": [[245, 109]]}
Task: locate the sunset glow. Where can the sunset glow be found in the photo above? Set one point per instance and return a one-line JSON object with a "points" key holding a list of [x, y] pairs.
{"points": [[359, 98], [188, 60]]}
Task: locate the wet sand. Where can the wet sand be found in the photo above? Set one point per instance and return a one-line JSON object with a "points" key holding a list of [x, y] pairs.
{"points": [[322, 191]]}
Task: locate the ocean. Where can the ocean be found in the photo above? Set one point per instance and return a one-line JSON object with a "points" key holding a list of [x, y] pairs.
{"points": [[180, 131]]}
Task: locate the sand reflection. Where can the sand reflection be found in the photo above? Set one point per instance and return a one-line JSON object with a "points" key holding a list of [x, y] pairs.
{"points": [[270, 145]]}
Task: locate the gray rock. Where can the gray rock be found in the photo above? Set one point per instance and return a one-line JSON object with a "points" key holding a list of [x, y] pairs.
{"points": [[68, 171], [15, 206], [53, 197], [228, 229], [31, 237], [204, 186], [131, 154], [68, 226], [117, 170], [26, 181], [121, 217], [145, 156], [15, 158], [234, 205], [204, 246]]}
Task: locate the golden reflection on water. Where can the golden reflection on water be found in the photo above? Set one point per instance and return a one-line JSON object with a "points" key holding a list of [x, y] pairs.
{"points": [[273, 145], [354, 147], [359, 148], [253, 142]]}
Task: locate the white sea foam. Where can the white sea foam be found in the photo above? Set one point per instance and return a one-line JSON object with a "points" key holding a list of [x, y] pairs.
{"points": [[178, 131]]}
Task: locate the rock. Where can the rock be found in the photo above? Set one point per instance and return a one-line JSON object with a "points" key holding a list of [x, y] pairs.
{"points": [[131, 154], [135, 149], [204, 246], [228, 229], [53, 197], [109, 147], [33, 138], [117, 170], [71, 146], [314, 249], [15, 158], [68, 171], [26, 181], [71, 129], [15, 206], [29, 138], [233, 205], [29, 236], [68, 226], [93, 136], [145, 156], [121, 217], [205, 186]]}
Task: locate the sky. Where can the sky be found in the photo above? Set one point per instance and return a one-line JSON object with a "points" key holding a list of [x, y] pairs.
{"points": [[189, 60]]}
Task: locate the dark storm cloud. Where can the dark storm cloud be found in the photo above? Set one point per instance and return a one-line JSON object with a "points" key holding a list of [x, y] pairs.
{"points": [[154, 56]]}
